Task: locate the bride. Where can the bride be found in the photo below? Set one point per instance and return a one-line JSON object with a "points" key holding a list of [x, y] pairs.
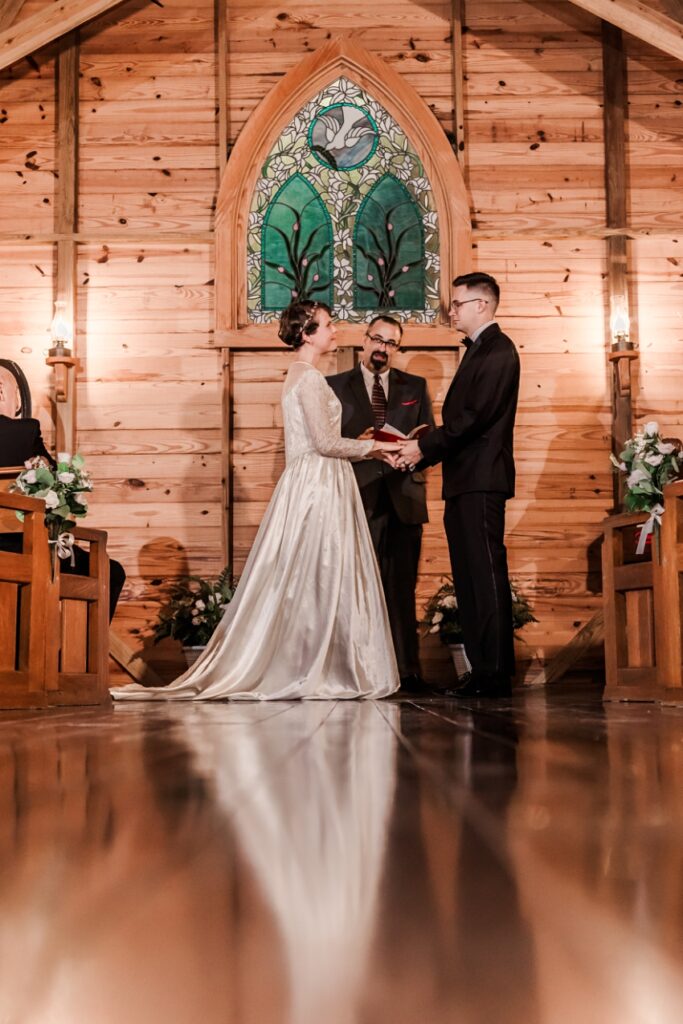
{"points": [[308, 619]]}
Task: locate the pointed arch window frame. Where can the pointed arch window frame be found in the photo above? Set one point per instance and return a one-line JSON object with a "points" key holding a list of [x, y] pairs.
{"points": [[338, 58]]}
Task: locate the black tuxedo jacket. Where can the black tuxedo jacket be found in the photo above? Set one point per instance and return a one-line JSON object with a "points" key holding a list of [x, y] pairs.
{"points": [[475, 443], [408, 406], [21, 440]]}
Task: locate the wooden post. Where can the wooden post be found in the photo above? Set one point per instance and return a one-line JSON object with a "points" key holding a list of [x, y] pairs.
{"points": [[222, 85], [66, 223], [616, 185], [226, 458], [457, 13], [346, 358]]}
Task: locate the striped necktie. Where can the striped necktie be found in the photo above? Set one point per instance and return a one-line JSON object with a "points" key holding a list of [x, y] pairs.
{"points": [[379, 403]]}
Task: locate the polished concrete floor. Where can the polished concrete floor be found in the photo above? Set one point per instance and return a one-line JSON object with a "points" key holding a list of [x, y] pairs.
{"points": [[343, 863]]}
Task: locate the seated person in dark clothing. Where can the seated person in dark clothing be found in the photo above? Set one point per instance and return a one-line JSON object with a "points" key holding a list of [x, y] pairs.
{"points": [[21, 439]]}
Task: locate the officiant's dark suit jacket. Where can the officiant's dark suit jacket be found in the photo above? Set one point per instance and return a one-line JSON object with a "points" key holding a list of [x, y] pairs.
{"points": [[408, 406], [475, 443]]}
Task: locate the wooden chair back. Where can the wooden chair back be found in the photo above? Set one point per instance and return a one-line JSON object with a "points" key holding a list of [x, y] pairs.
{"points": [[643, 603], [8, 520], [670, 590], [54, 626], [23, 608], [77, 663]]}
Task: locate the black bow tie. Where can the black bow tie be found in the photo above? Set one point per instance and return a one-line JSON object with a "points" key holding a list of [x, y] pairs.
{"points": [[467, 342]]}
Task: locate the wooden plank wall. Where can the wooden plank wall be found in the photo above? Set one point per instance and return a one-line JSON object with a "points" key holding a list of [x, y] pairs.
{"points": [[656, 201], [150, 393], [27, 180], [533, 97]]}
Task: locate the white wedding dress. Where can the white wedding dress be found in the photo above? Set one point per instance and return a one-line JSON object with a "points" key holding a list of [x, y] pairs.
{"points": [[308, 619]]}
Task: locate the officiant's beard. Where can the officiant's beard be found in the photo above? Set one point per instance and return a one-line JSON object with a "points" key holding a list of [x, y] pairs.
{"points": [[378, 361]]}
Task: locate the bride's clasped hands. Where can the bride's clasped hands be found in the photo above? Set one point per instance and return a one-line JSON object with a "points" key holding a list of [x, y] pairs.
{"points": [[387, 451]]}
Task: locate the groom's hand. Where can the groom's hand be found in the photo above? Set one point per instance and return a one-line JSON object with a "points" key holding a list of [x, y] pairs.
{"points": [[409, 455], [367, 435]]}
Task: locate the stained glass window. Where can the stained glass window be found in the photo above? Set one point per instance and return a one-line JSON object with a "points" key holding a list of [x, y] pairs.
{"points": [[388, 249], [297, 246], [339, 168]]}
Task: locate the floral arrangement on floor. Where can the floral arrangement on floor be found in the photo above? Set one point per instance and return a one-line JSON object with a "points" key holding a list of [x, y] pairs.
{"points": [[194, 608], [650, 463], [64, 490], [442, 616]]}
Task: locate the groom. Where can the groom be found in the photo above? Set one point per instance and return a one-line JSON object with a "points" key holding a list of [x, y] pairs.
{"points": [[475, 446], [395, 502]]}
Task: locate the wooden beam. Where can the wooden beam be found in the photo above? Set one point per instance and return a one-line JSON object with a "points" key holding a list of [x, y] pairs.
{"points": [[639, 19], [66, 220], [132, 662], [579, 645], [674, 8], [223, 73], [615, 108], [226, 458], [9, 9], [46, 25], [457, 22]]}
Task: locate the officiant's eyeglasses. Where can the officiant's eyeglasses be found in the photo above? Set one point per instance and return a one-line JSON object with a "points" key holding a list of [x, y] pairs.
{"points": [[377, 339], [456, 305]]}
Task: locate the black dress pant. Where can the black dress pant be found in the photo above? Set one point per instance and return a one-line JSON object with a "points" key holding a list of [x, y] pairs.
{"points": [[117, 576], [397, 546], [475, 530]]}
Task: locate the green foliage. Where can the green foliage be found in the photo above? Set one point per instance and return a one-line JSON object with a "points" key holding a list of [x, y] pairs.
{"points": [[649, 462], [193, 608], [442, 615]]}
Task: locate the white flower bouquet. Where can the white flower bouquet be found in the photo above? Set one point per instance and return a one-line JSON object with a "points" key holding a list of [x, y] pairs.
{"points": [[649, 462], [64, 490], [442, 615]]}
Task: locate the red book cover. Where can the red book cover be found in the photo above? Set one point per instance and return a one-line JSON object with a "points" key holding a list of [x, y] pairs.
{"points": [[389, 433]]}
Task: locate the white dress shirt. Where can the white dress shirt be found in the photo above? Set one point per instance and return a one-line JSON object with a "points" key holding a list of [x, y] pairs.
{"points": [[480, 330]]}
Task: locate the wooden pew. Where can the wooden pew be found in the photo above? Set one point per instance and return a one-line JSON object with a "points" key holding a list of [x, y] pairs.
{"points": [[54, 628], [643, 606], [669, 580], [629, 606], [23, 608]]}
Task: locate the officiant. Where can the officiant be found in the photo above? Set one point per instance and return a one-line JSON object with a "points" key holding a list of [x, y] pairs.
{"points": [[374, 395]]}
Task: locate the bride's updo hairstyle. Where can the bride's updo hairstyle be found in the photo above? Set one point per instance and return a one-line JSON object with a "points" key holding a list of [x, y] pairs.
{"points": [[299, 321]]}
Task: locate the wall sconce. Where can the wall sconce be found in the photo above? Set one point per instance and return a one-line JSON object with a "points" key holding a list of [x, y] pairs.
{"points": [[623, 351], [59, 356]]}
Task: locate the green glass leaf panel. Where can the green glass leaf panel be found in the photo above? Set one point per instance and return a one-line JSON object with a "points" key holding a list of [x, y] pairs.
{"points": [[297, 244], [388, 249]]}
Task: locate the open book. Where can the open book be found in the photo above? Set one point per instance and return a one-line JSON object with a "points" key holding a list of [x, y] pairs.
{"points": [[389, 433]]}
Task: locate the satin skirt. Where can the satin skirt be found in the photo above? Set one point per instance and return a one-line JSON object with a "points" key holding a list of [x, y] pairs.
{"points": [[308, 619]]}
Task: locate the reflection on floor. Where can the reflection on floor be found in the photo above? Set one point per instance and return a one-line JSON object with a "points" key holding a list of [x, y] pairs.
{"points": [[408, 862]]}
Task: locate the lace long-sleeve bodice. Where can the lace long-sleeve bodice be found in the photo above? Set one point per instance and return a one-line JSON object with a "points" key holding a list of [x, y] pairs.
{"points": [[312, 417]]}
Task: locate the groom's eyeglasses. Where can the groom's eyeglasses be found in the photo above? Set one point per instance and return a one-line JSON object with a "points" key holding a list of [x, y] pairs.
{"points": [[455, 305], [377, 339]]}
